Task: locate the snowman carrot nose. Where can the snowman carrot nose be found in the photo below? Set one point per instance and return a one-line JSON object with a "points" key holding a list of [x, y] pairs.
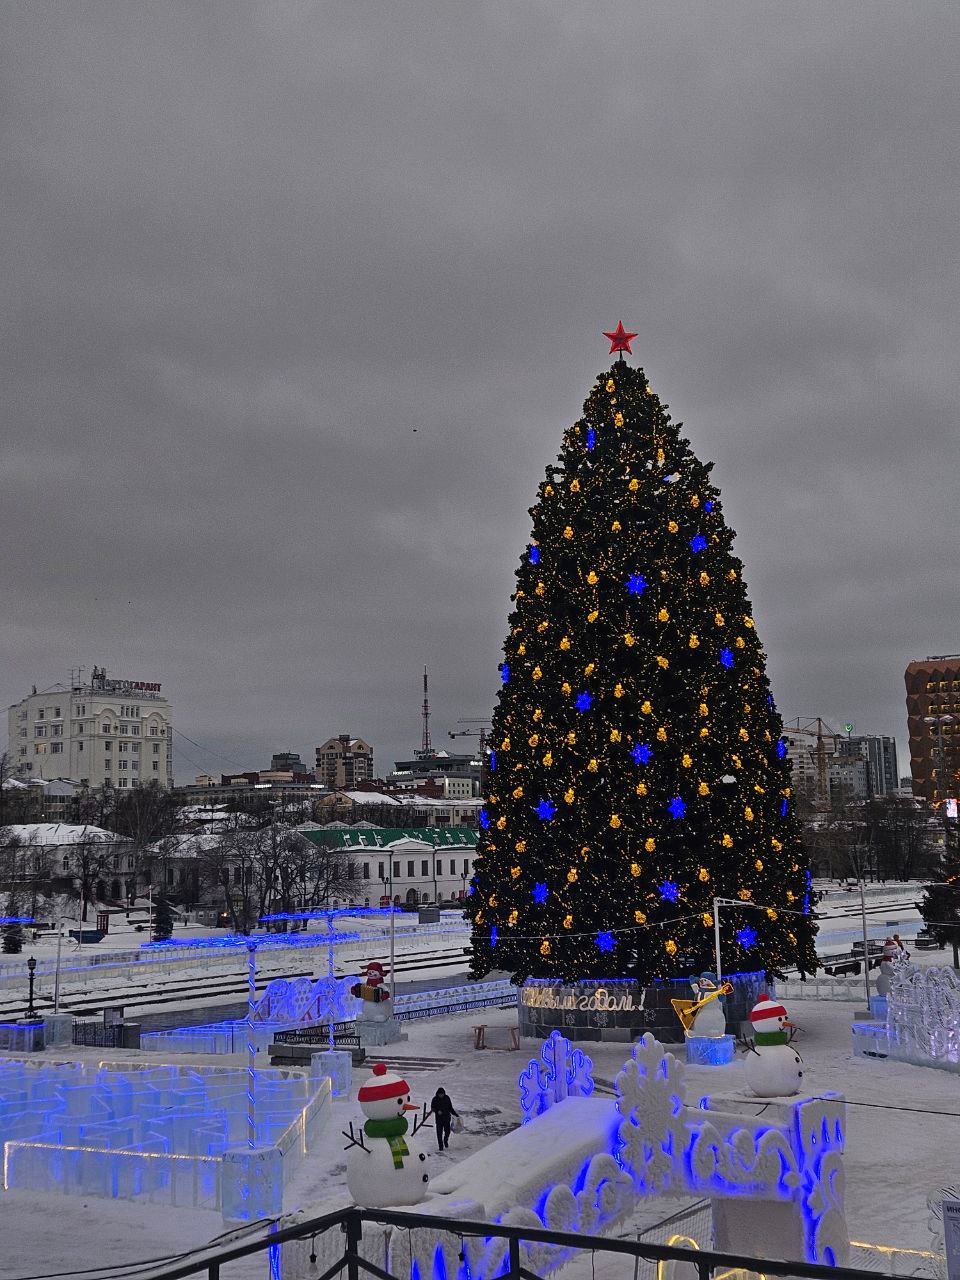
{"points": [[410, 1106]]}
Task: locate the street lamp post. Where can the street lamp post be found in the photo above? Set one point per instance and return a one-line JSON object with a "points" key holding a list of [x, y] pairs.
{"points": [[31, 971], [388, 882]]}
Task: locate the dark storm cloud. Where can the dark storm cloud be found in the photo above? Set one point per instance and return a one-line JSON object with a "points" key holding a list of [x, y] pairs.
{"points": [[298, 299]]}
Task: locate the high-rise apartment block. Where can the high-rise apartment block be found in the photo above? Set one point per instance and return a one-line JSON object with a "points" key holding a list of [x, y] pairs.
{"points": [[101, 731], [343, 761], [933, 726]]}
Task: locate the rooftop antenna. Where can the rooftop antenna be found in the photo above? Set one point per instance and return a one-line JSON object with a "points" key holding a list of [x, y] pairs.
{"points": [[425, 738]]}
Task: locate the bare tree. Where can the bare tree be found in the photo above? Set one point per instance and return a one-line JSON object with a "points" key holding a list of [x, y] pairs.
{"points": [[144, 816]]}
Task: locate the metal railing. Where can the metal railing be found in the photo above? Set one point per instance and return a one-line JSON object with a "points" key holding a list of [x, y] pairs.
{"points": [[351, 1223], [344, 1033], [96, 1035]]}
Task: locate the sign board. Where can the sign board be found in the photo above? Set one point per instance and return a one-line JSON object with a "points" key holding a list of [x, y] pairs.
{"points": [[951, 1237]]}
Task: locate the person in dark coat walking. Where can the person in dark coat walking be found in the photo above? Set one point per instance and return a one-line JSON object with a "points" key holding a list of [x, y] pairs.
{"points": [[442, 1110]]}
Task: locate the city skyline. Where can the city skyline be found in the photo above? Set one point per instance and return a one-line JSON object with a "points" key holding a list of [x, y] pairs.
{"points": [[283, 356]]}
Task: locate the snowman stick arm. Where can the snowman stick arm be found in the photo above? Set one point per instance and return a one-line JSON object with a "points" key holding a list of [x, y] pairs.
{"points": [[353, 1140], [419, 1121]]}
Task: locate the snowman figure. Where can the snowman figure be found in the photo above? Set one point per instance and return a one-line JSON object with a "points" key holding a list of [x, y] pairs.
{"points": [[375, 997], [773, 1069], [891, 951], [709, 1018], [382, 1171]]}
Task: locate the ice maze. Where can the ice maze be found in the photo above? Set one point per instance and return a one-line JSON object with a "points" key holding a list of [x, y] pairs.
{"points": [[175, 1135]]}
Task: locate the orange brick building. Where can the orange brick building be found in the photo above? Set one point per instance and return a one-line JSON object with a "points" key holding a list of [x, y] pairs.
{"points": [[933, 693]]}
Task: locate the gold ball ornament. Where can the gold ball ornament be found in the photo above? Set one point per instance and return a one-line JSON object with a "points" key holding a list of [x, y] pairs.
{"points": [[663, 616], [574, 486], [615, 821], [649, 844], [670, 947], [568, 533], [565, 643], [634, 485]]}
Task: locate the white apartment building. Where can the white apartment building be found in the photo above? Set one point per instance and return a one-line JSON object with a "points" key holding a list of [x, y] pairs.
{"points": [[102, 731]]}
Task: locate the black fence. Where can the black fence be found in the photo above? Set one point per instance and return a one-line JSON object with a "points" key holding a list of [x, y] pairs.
{"points": [[344, 1035], [349, 1225], [94, 1035]]}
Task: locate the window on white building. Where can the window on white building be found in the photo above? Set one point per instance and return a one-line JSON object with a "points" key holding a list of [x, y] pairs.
{"points": [[40, 730], [135, 730], [40, 714], [79, 746], [56, 713], [396, 869], [424, 868], [156, 748], [105, 726], [108, 746], [56, 730], [156, 766], [56, 748], [410, 870]]}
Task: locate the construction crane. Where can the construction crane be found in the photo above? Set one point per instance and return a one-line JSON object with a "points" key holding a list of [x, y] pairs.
{"points": [[481, 732], [816, 727]]}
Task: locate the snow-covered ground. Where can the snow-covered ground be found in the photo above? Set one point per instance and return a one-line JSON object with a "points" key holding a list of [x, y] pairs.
{"points": [[902, 1127], [903, 1123]]}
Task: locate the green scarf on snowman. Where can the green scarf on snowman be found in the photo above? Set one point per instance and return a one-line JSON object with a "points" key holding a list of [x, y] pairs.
{"points": [[392, 1131]]}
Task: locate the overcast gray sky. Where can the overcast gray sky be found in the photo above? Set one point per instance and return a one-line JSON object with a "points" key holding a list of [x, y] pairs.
{"points": [[298, 298]]}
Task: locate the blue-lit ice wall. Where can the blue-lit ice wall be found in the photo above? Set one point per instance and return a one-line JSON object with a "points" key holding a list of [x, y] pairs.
{"points": [[162, 1133]]}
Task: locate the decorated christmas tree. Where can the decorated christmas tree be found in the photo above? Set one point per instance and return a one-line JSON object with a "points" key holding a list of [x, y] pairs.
{"points": [[637, 772]]}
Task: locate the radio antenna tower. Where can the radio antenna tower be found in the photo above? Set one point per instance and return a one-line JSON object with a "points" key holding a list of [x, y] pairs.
{"points": [[425, 738]]}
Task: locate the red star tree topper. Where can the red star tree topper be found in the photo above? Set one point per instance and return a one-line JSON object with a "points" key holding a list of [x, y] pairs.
{"points": [[620, 339]]}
